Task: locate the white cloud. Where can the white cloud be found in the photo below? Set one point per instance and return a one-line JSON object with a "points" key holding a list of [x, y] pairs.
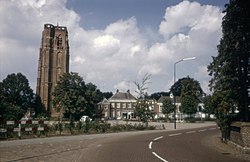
{"points": [[122, 86], [152, 68], [107, 45], [188, 16], [118, 54]]}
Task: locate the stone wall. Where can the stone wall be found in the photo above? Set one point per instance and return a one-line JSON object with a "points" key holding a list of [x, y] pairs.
{"points": [[240, 135]]}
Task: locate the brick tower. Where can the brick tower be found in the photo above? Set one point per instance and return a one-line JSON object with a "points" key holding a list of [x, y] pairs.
{"points": [[53, 62]]}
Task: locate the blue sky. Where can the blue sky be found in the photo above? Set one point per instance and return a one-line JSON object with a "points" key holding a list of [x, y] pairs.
{"points": [[98, 14], [115, 42]]}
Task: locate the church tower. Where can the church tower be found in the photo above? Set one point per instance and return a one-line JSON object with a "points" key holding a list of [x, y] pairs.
{"points": [[53, 62]]}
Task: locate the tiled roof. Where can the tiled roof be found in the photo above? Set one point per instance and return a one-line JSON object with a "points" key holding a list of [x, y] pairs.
{"points": [[122, 96]]}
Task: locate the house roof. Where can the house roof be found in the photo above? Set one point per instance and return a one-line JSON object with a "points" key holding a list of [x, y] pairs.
{"points": [[162, 98], [104, 101], [122, 96]]}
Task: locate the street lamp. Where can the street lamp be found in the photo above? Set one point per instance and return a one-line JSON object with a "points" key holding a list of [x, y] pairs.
{"points": [[185, 59]]}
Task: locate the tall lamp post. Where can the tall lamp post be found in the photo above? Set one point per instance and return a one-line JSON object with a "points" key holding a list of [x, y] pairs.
{"points": [[185, 59]]}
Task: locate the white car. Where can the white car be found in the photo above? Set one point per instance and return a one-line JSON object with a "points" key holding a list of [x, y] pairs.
{"points": [[83, 118]]}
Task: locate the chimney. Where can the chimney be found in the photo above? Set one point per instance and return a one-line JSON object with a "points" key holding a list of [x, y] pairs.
{"points": [[117, 90], [128, 91]]}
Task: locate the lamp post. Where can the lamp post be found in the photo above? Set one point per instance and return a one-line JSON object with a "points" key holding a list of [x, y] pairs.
{"points": [[185, 59]]}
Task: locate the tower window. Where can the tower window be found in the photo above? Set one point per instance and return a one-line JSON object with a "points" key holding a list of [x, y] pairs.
{"points": [[59, 59], [59, 42]]}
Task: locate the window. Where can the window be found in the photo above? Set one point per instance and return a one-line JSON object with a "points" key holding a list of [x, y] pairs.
{"points": [[160, 109], [124, 105], [118, 113], [118, 105], [129, 105], [59, 59], [59, 42]]}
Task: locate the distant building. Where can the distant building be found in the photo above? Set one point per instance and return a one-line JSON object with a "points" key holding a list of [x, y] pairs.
{"points": [[179, 115], [120, 106], [160, 105], [53, 62]]}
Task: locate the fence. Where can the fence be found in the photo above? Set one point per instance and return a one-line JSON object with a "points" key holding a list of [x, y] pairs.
{"points": [[25, 127]]}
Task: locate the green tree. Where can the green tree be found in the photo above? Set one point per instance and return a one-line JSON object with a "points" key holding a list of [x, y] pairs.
{"points": [[92, 96], [187, 86], [189, 104], [230, 69], [224, 110], [107, 95], [74, 98], [68, 96], [16, 97], [209, 105], [142, 108], [190, 92], [167, 107], [158, 95]]}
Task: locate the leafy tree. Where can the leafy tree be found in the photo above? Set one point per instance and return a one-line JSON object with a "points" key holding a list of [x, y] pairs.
{"points": [[68, 95], [142, 108], [158, 95], [209, 105], [74, 98], [230, 72], [168, 107], [107, 95], [190, 92], [16, 97], [189, 104], [230, 69], [187, 86], [224, 112], [92, 96]]}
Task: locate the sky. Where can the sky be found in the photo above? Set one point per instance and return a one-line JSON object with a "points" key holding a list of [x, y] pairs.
{"points": [[114, 43]]}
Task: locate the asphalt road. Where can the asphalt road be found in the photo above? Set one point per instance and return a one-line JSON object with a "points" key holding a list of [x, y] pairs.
{"points": [[147, 146], [178, 146]]}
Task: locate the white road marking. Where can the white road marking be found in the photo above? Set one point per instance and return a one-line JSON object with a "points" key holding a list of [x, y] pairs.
{"points": [[150, 145], [176, 134], [191, 132], [212, 128], [159, 157], [202, 130], [158, 138]]}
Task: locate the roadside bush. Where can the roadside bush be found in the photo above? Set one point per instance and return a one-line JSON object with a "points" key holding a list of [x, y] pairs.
{"points": [[140, 127], [59, 127], [129, 127], [116, 128], [86, 126], [79, 126], [151, 127], [193, 119]]}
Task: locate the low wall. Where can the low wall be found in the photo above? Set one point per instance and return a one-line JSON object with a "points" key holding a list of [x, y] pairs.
{"points": [[240, 136]]}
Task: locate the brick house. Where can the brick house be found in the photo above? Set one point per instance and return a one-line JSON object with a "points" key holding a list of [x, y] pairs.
{"points": [[120, 106]]}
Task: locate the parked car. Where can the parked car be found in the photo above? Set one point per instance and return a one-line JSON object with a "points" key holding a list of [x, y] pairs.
{"points": [[84, 118]]}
